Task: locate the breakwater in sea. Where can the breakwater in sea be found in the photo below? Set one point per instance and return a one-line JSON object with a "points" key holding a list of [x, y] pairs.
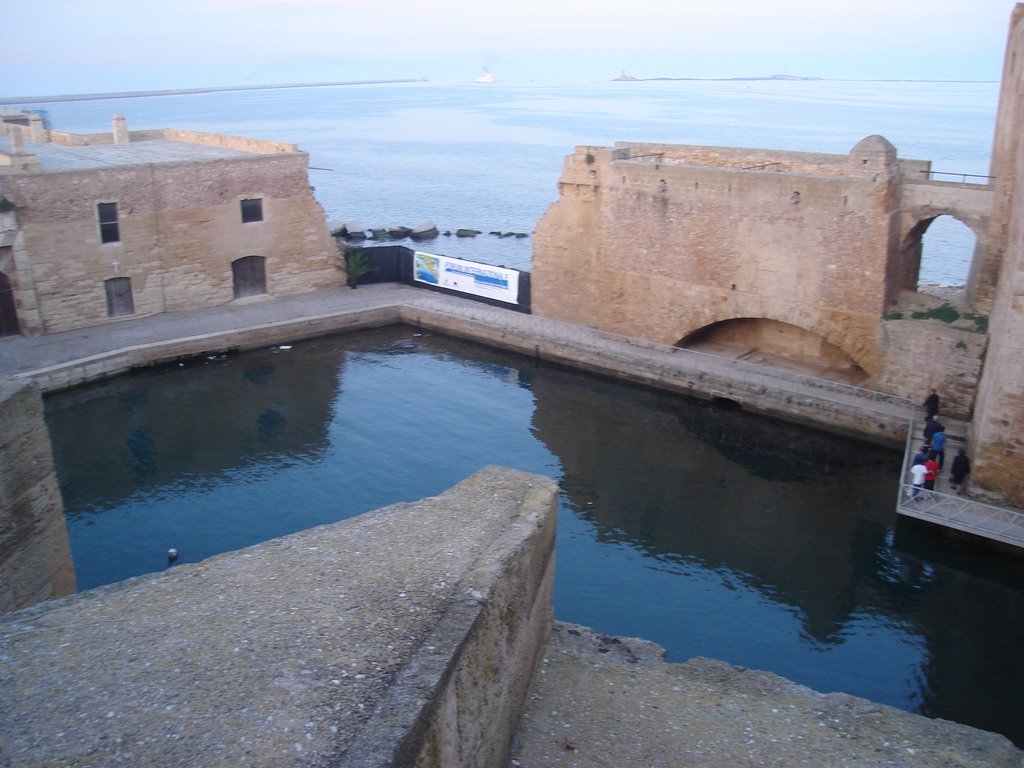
{"points": [[15, 100]]}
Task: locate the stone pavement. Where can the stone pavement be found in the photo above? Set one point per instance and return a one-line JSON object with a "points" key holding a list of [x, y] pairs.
{"points": [[23, 354], [602, 702]]}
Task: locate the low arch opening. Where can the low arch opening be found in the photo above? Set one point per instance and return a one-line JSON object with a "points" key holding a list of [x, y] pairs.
{"points": [[776, 344]]}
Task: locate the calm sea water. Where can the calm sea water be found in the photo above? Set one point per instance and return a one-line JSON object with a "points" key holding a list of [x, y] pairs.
{"points": [[488, 157], [714, 533]]}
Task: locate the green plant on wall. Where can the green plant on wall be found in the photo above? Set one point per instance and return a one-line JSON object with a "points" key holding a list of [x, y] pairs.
{"points": [[355, 262], [945, 313]]}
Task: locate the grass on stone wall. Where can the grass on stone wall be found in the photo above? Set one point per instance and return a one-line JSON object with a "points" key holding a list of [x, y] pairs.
{"points": [[944, 313]]}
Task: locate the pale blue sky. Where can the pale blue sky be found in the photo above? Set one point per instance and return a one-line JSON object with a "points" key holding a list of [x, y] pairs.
{"points": [[81, 46]]}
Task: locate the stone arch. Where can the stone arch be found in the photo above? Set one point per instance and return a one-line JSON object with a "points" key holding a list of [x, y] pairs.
{"points": [[913, 253], [773, 342]]}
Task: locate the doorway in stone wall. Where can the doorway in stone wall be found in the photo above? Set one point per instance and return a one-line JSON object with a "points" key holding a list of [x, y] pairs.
{"points": [[249, 276], [8, 311]]}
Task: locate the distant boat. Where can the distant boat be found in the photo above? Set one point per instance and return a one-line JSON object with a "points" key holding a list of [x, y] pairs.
{"points": [[485, 76]]}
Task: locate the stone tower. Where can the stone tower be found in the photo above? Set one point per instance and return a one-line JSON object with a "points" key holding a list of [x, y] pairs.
{"points": [[997, 429]]}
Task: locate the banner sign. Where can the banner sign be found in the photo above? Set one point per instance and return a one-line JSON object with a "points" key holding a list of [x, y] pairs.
{"points": [[467, 276]]}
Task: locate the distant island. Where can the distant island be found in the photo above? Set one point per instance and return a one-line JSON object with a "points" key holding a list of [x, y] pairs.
{"points": [[629, 78]]}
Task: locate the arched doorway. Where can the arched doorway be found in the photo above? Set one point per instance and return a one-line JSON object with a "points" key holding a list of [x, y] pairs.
{"points": [[249, 276], [937, 255], [8, 310], [777, 344]]}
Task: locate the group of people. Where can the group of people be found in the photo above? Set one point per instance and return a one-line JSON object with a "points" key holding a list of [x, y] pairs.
{"points": [[931, 457]]}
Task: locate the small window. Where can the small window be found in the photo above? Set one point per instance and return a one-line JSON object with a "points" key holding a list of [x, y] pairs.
{"points": [[119, 297], [252, 210], [110, 232]]}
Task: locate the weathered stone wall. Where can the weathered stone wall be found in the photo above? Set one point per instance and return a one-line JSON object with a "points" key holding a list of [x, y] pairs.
{"points": [[659, 249], [180, 229], [408, 636], [35, 559], [986, 270], [922, 355], [998, 427]]}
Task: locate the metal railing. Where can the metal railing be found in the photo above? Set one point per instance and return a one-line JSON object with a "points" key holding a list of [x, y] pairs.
{"points": [[962, 177], [953, 510], [763, 167]]}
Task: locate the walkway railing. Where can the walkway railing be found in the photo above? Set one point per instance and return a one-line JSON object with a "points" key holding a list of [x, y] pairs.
{"points": [[963, 178], [953, 510], [964, 514]]}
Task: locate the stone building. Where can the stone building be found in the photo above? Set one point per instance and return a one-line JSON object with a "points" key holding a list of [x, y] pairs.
{"points": [[806, 261], [98, 227]]}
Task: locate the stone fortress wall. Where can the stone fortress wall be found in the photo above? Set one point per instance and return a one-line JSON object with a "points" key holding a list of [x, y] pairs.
{"points": [[800, 254], [799, 258], [998, 425]]}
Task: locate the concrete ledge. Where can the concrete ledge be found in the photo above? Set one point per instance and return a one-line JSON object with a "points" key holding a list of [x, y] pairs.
{"points": [[405, 636]]}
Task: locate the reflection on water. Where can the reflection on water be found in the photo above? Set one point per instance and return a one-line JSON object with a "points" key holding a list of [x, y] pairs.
{"points": [[712, 532]]}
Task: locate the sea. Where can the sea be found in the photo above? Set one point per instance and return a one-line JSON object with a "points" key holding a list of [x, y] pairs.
{"points": [[712, 532], [488, 156]]}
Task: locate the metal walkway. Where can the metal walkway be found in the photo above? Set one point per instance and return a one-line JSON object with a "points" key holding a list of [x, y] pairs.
{"points": [[952, 510]]}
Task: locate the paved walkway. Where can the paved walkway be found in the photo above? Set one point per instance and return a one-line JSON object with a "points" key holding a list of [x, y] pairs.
{"points": [[21, 355]]}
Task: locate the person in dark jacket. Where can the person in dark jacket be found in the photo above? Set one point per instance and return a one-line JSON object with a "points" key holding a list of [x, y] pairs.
{"points": [[931, 405], [958, 471], [931, 426]]}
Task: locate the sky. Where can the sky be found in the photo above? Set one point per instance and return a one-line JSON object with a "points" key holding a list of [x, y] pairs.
{"points": [[50, 47]]}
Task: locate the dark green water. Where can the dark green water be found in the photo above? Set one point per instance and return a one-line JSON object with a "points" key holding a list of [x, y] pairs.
{"points": [[714, 533]]}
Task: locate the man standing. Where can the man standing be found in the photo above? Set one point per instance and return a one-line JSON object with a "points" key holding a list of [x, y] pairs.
{"points": [[959, 471], [931, 426], [931, 405], [931, 472], [917, 473], [938, 446]]}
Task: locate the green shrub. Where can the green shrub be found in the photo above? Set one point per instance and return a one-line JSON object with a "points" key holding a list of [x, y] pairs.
{"points": [[945, 313]]}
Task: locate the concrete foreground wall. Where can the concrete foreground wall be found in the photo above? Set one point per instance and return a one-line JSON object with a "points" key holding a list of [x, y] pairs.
{"points": [[407, 636]]}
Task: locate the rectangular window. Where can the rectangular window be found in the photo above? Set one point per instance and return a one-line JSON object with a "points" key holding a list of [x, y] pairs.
{"points": [[110, 232], [252, 210]]}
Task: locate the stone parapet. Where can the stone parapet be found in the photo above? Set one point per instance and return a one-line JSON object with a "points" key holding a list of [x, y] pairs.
{"points": [[405, 636]]}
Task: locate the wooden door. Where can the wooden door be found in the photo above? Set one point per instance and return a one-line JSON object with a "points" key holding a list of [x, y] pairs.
{"points": [[249, 276]]}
